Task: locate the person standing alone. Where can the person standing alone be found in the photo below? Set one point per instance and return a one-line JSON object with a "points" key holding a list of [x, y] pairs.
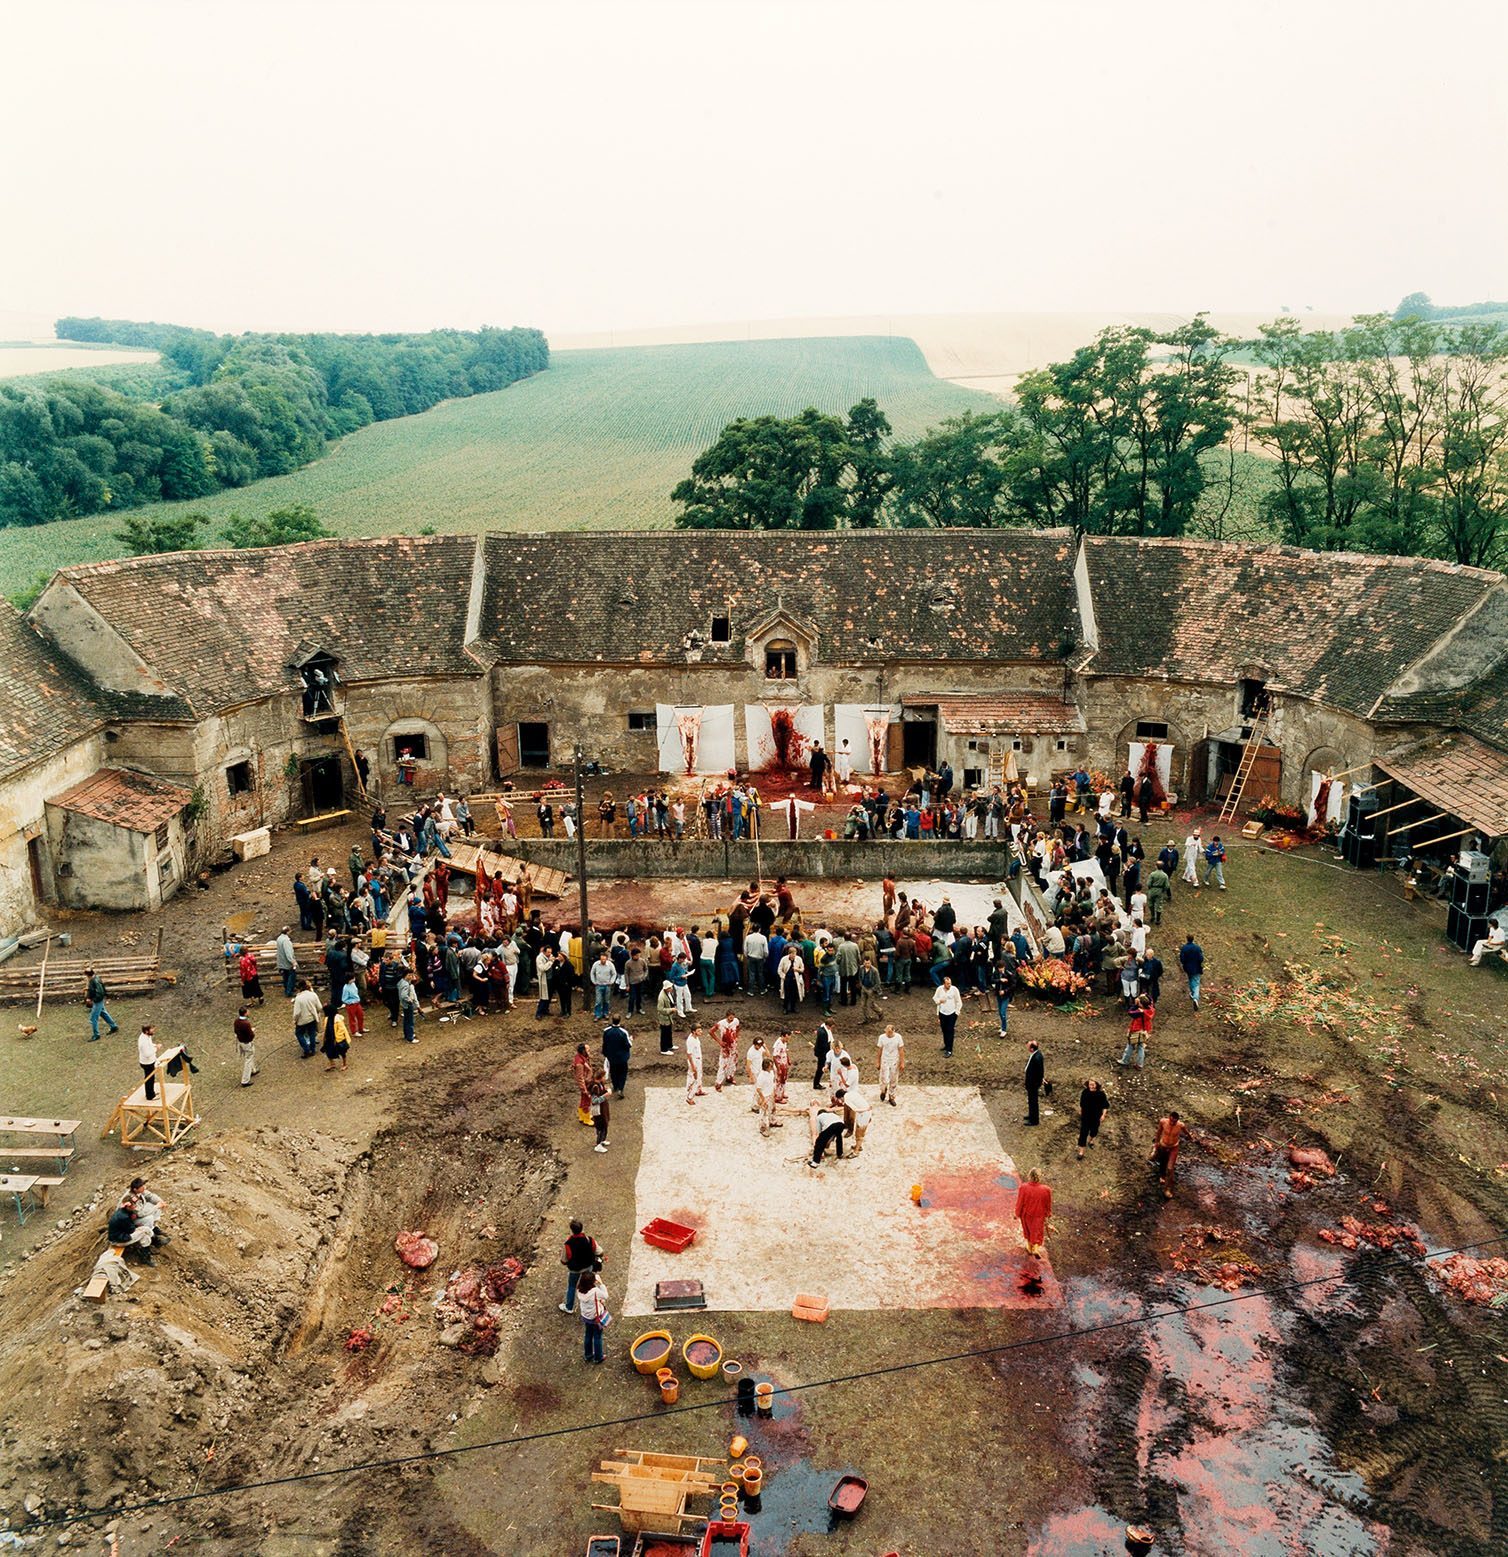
{"points": [[97, 994], [1036, 1070], [949, 1002], [246, 1045]]}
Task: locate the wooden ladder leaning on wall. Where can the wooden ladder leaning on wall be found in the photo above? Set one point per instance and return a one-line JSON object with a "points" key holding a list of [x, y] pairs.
{"points": [[1249, 754]]}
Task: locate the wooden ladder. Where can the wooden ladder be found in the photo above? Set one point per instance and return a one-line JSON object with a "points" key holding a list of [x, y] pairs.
{"points": [[345, 735], [1244, 767]]}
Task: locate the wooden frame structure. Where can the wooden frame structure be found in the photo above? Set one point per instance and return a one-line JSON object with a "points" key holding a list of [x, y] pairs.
{"points": [[654, 1487], [139, 975], [154, 1124]]}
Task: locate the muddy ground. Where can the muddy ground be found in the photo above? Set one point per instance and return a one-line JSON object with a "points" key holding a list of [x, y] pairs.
{"points": [[1356, 1408]]}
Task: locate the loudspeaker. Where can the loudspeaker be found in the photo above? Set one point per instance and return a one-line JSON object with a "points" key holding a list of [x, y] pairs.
{"points": [[1468, 894], [1474, 865], [1360, 846], [1465, 929]]}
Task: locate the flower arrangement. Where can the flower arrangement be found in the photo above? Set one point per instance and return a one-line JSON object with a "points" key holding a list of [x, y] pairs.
{"points": [[1271, 812], [1053, 979]]}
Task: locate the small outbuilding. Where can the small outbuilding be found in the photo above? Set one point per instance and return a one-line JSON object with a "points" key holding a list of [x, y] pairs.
{"points": [[117, 840]]}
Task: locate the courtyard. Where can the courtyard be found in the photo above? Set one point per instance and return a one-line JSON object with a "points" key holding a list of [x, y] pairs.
{"points": [[1211, 1366]]}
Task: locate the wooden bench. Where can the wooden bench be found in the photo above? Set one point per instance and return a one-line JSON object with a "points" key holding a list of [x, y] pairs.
{"points": [[58, 1154], [17, 1185], [312, 824]]}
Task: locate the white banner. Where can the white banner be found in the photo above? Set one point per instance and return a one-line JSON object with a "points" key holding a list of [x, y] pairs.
{"points": [[866, 728], [780, 736], [1335, 801], [1164, 761], [694, 738]]}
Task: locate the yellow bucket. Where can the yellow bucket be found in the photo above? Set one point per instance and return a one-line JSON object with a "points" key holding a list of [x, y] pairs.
{"points": [[648, 1358], [708, 1369]]}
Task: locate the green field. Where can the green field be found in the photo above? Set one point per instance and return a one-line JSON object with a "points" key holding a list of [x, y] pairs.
{"points": [[596, 442]]}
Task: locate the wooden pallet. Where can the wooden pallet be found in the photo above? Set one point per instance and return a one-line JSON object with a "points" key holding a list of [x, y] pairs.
{"points": [[548, 882], [655, 1487]]}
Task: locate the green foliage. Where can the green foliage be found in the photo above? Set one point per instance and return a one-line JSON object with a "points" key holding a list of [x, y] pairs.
{"points": [[147, 534], [23, 599], [955, 473], [282, 527]]}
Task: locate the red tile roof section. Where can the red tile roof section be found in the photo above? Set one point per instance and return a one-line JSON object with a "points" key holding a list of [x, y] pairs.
{"points": [[135, 801]]}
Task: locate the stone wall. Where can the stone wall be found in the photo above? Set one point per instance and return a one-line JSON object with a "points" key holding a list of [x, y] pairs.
{"points": [[97, 865], [607, 859], [23, 815]]}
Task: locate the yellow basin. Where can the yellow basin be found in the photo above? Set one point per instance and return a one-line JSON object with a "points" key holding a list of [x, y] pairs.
{"points": [[708, 1369], [649, 1358]]}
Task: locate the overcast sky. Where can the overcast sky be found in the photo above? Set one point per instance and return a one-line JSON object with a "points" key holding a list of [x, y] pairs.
{"points": [[584, 166]]}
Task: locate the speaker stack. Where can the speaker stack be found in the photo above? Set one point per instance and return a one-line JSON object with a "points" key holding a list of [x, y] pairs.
{"points": [[1360, 843], [1466, 919]]}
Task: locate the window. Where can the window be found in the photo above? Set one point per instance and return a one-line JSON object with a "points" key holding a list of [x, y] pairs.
{"points": [[416, 746], [1151, 730], [973, 778], [1062, 745], [1017, 746], [1253, 697], [722, 629], [780, 660], [160, 838], [641, 720], [238, 779]]}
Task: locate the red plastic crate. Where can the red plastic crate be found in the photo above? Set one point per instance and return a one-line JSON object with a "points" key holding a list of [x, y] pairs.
{"points": [[668, 1235]]}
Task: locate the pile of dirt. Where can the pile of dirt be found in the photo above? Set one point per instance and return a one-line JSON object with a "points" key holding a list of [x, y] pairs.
{"points": [[104, 1397]]}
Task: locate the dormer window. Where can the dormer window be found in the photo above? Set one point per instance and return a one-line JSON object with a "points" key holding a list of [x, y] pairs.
{"points": [[780, 660], [722, 629], [319, 682]]}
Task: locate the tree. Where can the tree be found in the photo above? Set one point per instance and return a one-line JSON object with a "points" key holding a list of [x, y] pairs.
{"points": [[871, 466], [281, 527], [954, 474], [149, 534], [1473, 446], [1415, 306]]}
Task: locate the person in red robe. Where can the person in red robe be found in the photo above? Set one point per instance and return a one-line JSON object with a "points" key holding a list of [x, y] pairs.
{"points": [[582, 1072], [1033, 1207]]}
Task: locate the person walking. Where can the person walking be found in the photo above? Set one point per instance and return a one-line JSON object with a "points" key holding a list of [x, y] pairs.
{"points": [[408, 1005], [579, 1256], [665, 1010], [1138, 1030], [1092, 1105], [246, 1045], [869, 991], [1159, 892], [96, 994], [821, 1047], [306, 1015], [764, 1095], [1192, 847], [591, 1301], [603, 976], [891, 1047], [1033, 1207], [1191, 960], [1036, 1072], [1170, 1135], [949, 1002], [600, 1110], [616, 1048], [1005, 987], [694, 1087], [287, 961], [337, 1044], [251, 977], [1214, 862]]}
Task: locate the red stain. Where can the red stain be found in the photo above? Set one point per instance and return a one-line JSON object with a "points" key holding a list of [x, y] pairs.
{"points": [[980, 1209], [792, 748]]}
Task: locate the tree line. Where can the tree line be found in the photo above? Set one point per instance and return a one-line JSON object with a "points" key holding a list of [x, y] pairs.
{"points": [[1390, 435], [253, 406]]}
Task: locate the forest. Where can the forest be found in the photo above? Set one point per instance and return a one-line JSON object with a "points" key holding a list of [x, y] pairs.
{"points": [[1390, 436], [247, 406]]}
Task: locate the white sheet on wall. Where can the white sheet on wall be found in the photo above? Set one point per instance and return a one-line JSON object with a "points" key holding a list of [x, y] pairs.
{"points": [[1335, 803], [713, 727], [851, 723], [1164, 761], [759, 732]]}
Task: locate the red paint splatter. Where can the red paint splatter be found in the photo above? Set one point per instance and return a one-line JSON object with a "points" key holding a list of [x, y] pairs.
{"points": [[792, 748]]}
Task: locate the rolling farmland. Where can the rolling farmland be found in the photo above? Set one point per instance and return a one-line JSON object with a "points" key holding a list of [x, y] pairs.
{"points": [[596, 442]]}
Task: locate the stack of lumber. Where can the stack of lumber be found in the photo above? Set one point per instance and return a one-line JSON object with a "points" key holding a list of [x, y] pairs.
{"points": [[310, 954], [66, 980]]}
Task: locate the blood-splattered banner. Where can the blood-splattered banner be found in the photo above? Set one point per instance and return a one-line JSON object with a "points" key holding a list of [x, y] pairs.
{"points": [[781, 735], [694, 738], [866, 728]]}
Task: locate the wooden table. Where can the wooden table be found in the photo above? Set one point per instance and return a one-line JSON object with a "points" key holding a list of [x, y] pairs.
{"points": [[63, 1129], [18, 1185]]}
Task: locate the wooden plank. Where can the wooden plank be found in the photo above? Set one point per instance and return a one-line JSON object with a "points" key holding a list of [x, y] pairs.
{"points": [[49, 1153], [24, 1125], [96, 1288], [312, 824]]}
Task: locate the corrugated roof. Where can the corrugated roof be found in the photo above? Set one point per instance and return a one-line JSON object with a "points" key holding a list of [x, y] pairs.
{"points": [[1458, 775], [135, 801]]}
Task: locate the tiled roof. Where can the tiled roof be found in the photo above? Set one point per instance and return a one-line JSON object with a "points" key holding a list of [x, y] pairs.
{"points": [[1018, 713], [1458, 775], [136, 801], [876, 595], [1334, 626], [45, 703], [222, 627]]}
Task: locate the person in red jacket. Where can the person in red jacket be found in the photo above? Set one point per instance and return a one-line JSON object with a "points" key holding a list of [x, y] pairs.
{"points": [[1138, 1031], [1033, 1207]]}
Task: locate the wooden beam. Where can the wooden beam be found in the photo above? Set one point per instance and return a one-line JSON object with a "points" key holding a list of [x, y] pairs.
{"points": [[1393, 832], [1446, 837], [1402, 805]]}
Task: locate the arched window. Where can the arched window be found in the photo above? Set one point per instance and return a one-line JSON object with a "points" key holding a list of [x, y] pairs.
{"points": [[780, 659]]}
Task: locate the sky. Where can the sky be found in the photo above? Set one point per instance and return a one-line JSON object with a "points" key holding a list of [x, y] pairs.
{"points": [[585, 166]]}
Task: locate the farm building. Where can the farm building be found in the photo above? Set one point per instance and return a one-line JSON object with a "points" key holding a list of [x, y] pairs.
{"points": [[246, 681]]}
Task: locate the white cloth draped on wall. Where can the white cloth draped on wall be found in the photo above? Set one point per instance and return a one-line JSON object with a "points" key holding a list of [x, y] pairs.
{"points": [[704, 732], [866, 728], [769, 727]]}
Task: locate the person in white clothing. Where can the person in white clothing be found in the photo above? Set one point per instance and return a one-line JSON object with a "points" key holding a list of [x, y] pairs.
{"points": [[949, 1002], [1107, 801], [1496, 941], [1192, 846], [843, 762], [1138, 906], [835, 1058], [1138, 938], [764, 1095], [694, 1087], [754, 1063], [848, 1071], [725, 1036], [857, 1112], [892, 1052]]}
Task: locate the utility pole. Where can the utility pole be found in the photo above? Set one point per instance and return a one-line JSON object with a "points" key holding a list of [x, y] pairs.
{"points": [[581, 858]]}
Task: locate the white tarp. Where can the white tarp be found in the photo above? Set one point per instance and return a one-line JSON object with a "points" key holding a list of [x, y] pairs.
{"points": [[1335, 803], [866, 728], [705, 730], [1164, 760], [801, 723]]}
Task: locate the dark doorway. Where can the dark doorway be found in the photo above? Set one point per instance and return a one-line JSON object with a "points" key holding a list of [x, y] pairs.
{"points": [[34, 861], [533, 745], [323, 784], [919, 743], [1253, 697]]}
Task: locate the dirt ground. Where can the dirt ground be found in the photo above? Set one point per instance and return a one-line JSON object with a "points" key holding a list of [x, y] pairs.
{"points": [[1363, 1411]]}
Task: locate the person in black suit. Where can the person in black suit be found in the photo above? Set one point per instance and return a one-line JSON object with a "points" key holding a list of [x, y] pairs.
{"points": [[1036, 1069]]}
